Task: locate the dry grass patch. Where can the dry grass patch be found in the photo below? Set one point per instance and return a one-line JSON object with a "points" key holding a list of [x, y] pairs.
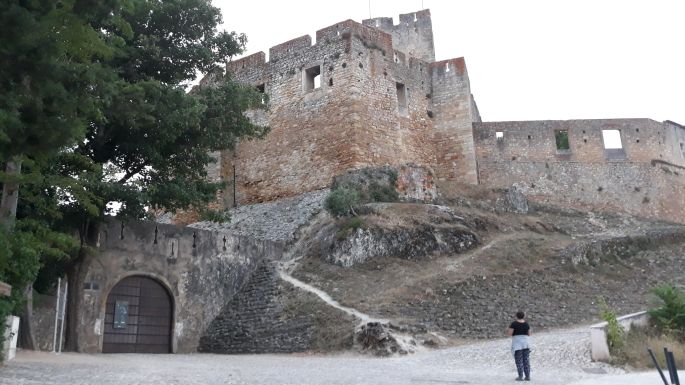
{"points": [[639, 339]]}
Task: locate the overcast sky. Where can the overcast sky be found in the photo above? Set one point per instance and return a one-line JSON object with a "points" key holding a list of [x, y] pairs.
{"points": [[527, 60]]}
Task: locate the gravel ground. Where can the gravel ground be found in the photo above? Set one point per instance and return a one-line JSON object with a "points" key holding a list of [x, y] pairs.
{"points": [[276, 221], [559, 357]]}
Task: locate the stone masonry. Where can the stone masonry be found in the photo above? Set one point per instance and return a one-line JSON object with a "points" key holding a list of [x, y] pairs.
{"points": [[200, 269], [645, 177], [271, 316], [372, 95], [379, 99]]}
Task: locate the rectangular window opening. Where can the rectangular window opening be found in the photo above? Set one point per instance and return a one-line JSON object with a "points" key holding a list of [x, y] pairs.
{"points": [[561, 139], [312, 78], [499, 135], [261, 90], [401, 98], [612, 139], [682, 149]]}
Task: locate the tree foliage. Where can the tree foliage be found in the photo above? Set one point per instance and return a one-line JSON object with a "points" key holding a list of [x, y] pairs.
{"points": [[93, 99], [46, 66], [152, 142], [340, 201]]}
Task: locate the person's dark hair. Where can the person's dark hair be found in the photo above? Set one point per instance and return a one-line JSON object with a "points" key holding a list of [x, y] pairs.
{"points": [[520, 315]]}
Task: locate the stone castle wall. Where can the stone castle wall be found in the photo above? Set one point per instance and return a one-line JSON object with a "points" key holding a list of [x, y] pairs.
{"points": [[645, 178], [202, 270], [382, 101]]}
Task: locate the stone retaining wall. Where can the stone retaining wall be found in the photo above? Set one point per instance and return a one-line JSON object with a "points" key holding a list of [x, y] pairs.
{"points": [[598, 333], [271, 316]]}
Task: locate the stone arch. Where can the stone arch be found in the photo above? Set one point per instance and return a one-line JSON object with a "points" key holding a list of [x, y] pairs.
{"points": [[146, 319]]}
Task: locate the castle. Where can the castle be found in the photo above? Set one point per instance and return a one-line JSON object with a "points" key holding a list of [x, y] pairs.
{"points": [[365, 95], [372, 94]]}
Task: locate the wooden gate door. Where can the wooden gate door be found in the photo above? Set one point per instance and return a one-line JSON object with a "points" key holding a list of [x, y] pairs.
{"points": [[138, 317]]}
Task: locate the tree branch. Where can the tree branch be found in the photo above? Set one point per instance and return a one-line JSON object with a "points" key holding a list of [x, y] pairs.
{"points": [[131, 173]]}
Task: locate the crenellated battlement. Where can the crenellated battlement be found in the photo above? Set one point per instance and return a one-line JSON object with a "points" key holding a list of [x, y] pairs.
{"points": [[371, 93], [298, 44], [335, 30], [254, 60], [456, 66], [412, 35], [337, 104]]}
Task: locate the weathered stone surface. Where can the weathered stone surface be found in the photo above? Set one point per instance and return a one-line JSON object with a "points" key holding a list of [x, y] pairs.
{"points": [[385, 101], [373, 338], [43, 321], [200, 269], [407, 183], [434, 230], [595, 252], [647, 179], [409, 243], [275, 221], [416, 184], [554, 296], [382, 100], [271, 316], [512, 200]]}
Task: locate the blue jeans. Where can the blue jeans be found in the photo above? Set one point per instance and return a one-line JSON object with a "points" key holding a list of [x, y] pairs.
{"points": [[522, 362]]}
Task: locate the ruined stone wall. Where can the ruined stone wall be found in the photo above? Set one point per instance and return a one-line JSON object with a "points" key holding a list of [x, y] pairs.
{"points": [[642, 178], [642, 140], [202, 270], [413, 35]]}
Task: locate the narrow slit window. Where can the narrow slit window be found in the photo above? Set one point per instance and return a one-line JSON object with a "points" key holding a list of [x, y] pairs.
{"points": [[312, 78], [261, 90], [561, 139], [682, 149], [401, 98], [612, 139]]}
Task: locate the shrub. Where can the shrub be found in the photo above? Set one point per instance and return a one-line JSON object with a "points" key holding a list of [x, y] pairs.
{"points": [[372, 184], [615, 332], [349, 225], [340, 201], [670, 316], [381, 193]]}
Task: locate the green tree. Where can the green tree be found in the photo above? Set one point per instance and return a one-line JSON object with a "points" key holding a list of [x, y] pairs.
{"points": [[36, 239], [49, 54], [151, 142], [46, 68]]}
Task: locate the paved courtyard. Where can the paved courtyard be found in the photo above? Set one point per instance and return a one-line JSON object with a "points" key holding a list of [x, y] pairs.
{"points": [[559, 357]]}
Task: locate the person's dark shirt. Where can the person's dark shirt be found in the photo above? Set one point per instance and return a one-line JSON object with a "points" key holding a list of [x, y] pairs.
{"points": [[520, 328]]}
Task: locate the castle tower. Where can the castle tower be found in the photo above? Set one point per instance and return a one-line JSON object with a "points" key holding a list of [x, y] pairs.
{"points": [[363, 95], [413, 35]]}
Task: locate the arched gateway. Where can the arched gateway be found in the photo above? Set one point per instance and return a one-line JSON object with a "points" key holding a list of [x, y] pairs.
{"points": [[138, 317]]}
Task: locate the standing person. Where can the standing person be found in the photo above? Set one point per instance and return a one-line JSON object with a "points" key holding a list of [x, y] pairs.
{"points": [[519, 330]]}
